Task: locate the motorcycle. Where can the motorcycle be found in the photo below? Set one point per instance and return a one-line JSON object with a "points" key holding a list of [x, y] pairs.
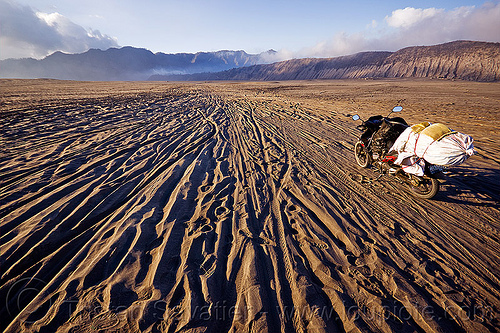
{"points": [[372, 148]]}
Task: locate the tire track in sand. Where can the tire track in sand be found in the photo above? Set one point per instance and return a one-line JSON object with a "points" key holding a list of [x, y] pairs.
{"points": [[226, 211]]}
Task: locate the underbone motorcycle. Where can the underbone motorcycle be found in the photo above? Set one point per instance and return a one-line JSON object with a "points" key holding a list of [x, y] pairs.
{"points": [[372, 149]]}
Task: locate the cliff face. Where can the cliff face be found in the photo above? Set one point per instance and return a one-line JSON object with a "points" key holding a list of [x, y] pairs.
{"points": [[465, 60], [475, 61]]}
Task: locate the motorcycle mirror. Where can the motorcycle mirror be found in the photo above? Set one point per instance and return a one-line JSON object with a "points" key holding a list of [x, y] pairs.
{"points": [[355, 117], [397, 109]]}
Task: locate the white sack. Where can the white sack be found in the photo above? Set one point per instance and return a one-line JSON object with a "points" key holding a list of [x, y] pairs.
{"points": [[413, 165], [452, 149]]}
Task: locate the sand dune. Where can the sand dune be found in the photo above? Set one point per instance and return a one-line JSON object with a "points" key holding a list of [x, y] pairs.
{"points": [[232, 207]]}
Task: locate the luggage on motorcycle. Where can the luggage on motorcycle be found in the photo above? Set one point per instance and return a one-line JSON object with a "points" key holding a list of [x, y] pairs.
{"points": [[435, 143], [417, 128], [436, 131], [390, 129]]}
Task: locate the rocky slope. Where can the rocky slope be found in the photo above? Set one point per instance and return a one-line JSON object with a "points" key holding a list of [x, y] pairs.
{"points": [[466, 60]]}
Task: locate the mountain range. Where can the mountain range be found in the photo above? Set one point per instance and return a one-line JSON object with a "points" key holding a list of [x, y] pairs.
{"points": [[466, 60], [126, 63]]}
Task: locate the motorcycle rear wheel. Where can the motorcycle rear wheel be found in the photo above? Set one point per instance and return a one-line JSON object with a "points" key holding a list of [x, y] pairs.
{"points": [[363, 158], [427, 188]]}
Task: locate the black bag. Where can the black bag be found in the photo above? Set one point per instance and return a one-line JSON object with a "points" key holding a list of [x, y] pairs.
{"points": [[389, 131]]}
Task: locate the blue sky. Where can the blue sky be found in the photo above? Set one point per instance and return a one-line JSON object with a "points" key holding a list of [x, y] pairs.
{"points": [[295, 28]]}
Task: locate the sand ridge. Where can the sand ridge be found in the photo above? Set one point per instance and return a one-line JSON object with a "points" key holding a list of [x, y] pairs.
{"points": [[166, 207]]}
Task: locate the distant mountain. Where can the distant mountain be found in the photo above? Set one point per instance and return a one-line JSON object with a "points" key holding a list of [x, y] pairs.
{"points": [[466, 60], [126, 63]]}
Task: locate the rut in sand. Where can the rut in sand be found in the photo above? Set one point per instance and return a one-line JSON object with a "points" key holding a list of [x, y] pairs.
{"points": [[200, 208]]}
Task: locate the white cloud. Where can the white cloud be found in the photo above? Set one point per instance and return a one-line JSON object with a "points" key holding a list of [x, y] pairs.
{"points": [[340, 44], [415, 26], [410, 16], [26, 33]]}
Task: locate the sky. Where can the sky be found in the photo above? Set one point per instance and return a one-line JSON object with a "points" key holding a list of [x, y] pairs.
{"points": [[294, 28]]}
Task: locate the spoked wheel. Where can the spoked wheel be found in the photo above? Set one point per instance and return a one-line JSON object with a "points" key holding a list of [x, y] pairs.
{"points": [[363, 158], [424, 188]]}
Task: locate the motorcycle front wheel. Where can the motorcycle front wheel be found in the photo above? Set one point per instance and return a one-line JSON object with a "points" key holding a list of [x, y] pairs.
{"points": [[363, 158], [426, 187]]}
